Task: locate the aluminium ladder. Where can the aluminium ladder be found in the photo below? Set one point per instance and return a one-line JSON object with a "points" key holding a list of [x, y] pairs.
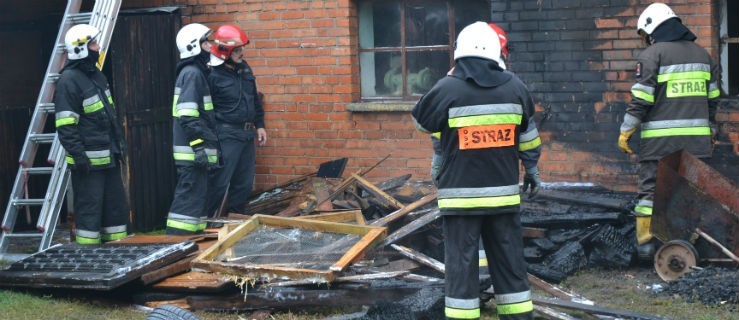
{"points": [[103, 16]]}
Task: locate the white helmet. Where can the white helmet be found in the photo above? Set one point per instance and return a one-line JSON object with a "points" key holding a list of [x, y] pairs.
{"points": [[77, 38], [654, 15], [478, 40], [189, 37]]}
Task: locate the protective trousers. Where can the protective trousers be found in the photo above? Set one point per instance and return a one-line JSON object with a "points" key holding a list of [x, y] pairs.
{"points": [[101, 209], [503, 242], [236, 175], [647, 172], [187, 211]]}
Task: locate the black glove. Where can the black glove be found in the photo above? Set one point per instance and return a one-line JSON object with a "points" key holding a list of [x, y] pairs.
{"points": [[81, 164], [201, 158], [531, 179]]}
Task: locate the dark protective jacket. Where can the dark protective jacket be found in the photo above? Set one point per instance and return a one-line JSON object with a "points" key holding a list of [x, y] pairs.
{"points": [[480, 111], [193, 117], [674, 98], [235, 96], [86, 119]]}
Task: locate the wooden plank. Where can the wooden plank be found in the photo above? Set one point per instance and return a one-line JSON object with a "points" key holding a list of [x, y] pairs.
{"points": [[182, 303], [384, 198], [351, 216], [356, 252], [402, 212], [595, 309], [530, 232], [194, 281], [411, 227], [420, 257], [354, 278], [585, 198], [168, 271]]}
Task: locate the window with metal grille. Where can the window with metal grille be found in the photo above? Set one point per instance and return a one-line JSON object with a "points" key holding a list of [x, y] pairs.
{"points": [[406, 46], [730, 47]]}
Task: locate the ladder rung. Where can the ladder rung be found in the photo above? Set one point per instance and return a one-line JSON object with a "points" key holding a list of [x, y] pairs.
{"points": [[27, 202], [81, 17], [39, 170], [53, 77], [23, 235], [46, 107], [42, 137]]}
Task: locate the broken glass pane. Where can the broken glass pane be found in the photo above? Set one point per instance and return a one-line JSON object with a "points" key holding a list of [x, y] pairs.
{"points": [[426, 24], [424, 69], [381, 74], [379, 24]]}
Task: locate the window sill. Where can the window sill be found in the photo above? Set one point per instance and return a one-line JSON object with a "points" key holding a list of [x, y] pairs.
{"points": [[380, 106]]}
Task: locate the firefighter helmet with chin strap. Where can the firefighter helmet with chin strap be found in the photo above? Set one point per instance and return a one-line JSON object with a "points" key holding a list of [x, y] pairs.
{"points": [[479, 40], [76, 40], [189, 38], [653, 16], [227, 38]]}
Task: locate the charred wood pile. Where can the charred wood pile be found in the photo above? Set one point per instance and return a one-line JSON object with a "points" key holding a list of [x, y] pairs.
{"points": [[386, 257]]}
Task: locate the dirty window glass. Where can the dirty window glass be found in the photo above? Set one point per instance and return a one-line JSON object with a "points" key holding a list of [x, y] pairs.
{"points": [[406, 46]]}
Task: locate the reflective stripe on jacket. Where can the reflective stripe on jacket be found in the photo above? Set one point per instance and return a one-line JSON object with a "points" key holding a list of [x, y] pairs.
{"points": [[480, 176], [86, 119], [674, 99], [193, 118]]}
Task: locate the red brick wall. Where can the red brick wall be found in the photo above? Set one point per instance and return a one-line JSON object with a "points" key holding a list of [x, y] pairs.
{"points": [[577, 57]]}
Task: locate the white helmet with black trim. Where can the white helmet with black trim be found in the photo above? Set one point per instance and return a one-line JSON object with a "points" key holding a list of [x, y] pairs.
{"points": [[189, 38], [77, 38], [478, 40], [653, 16]]}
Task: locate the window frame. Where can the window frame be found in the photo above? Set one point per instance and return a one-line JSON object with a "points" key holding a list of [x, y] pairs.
{"points": [[729, 43], [404, 50]]}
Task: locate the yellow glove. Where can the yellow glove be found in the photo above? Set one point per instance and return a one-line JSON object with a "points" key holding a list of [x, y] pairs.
{"points": [[623, 140]]}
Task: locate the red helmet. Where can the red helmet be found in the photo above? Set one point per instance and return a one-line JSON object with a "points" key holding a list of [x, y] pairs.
{"points": [[226, 39], [503, 39]]}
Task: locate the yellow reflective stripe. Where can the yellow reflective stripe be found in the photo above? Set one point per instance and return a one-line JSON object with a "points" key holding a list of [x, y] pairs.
{"points": [[188, 113], [196, 142], [480, 202], [482, 262], [110, 100], [436, 135], [525, 146], [69, 159], [643, 210], [186, 226], [184, 156], [174, 105], [114, 236], [65, 121], [208, 106], [213, 159], [484, 119], [714, 94], [688, 75], [99, 161], [515, 308], [462, 313], [643, 95], [694, 131], [93, 107], [686, 88], [83, 240]]}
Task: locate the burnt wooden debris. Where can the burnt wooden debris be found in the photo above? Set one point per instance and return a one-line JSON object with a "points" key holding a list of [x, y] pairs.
{"points": [[395, 262]]}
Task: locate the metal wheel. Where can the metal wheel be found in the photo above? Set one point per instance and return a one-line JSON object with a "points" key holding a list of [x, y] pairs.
{"points": [[674, 259]]}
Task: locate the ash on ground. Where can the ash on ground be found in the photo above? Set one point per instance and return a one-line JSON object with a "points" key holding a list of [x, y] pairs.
{"points": [[710, 286]]}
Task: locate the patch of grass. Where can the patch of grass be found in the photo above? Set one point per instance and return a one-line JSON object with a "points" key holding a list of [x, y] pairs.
{"points": [[631, 290], [19, 305]]}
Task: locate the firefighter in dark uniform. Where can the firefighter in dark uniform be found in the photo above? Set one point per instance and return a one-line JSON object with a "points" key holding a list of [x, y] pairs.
{"points": [[239, 118], [194, 139], [88, 128], [529, 145], [480, 111], [674, 104]]}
